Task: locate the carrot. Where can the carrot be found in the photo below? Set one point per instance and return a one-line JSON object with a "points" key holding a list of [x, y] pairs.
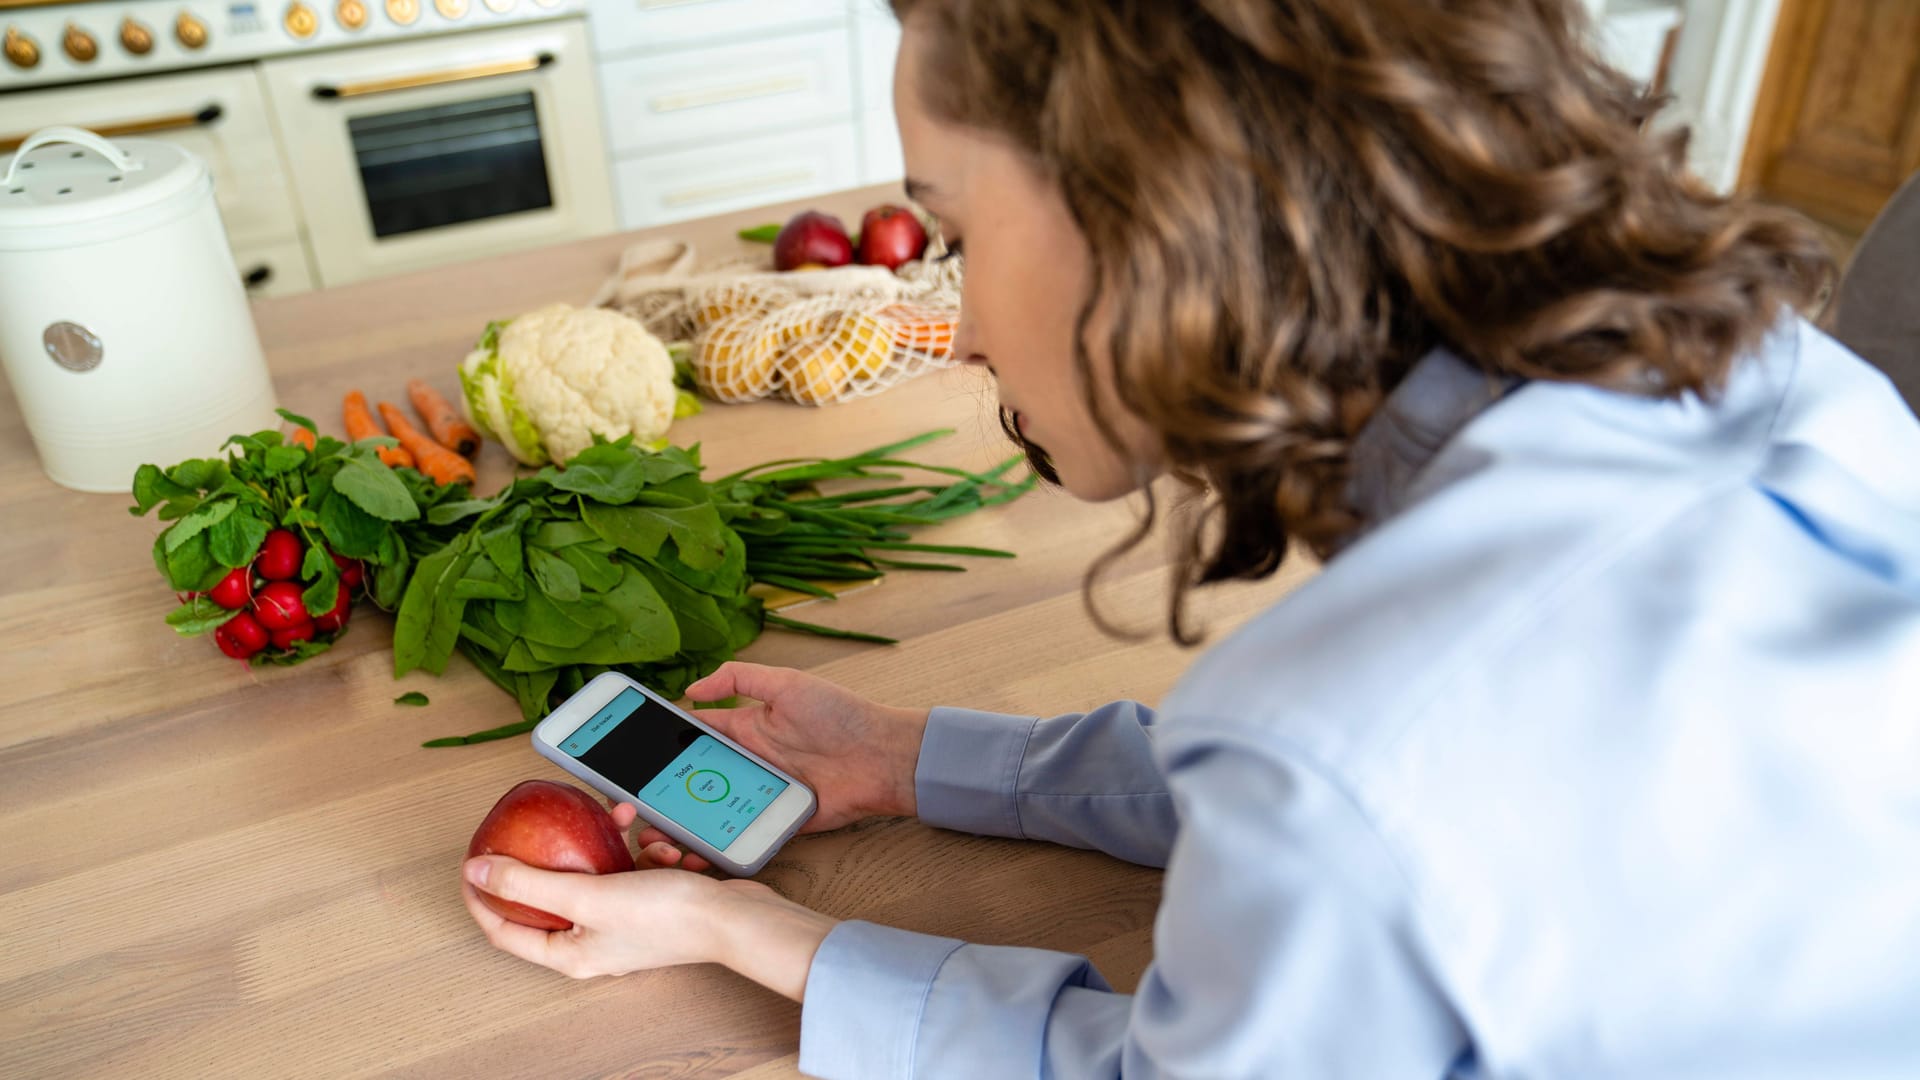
{"points": [[441, 465], [300, 436], [361, 425], [449, 428]]}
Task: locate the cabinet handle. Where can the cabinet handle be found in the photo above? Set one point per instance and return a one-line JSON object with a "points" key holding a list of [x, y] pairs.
{"points": [[690, 196], [257, 276], [149, 126], [720, 95], [432, 78]]}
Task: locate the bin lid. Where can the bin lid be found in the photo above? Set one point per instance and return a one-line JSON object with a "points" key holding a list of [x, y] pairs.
{"points": [[67, 186]]}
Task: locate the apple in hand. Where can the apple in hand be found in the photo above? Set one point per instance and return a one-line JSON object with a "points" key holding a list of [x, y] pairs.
{"points": [[890, 236], [554, 827], [812, 237]]}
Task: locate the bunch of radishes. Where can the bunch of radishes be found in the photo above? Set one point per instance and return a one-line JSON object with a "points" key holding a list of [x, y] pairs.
{"points": [[266, 599]]}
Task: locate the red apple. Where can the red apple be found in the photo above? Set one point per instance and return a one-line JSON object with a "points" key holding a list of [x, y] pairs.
{"points": [[812, 237], [891, 236], [554, 827]]}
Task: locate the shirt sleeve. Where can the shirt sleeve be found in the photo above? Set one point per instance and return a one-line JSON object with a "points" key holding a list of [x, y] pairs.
{"points": [[1284, 947], [1087, 780]]}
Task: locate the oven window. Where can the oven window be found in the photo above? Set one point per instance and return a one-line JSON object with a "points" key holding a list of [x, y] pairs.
{"points": [[438, 166]]}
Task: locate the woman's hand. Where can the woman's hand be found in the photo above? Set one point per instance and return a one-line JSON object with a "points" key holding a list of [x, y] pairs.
{"points": [[858, 757], [656, 916]]}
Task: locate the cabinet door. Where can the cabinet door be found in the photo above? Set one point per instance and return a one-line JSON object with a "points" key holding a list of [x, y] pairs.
{"points": [[660, 188], [656, 103], [654, 26], [273, 269], [1837, 126]]}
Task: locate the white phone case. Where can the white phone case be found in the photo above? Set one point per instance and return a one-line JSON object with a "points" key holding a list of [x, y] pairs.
{"points": [[580, 708]]}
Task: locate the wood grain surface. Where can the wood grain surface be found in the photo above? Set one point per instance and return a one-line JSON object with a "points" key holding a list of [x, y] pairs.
{"points": [[212, 870]]}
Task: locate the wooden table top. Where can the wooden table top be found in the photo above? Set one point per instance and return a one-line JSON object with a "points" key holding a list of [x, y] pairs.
{"points": [[208, 869]]}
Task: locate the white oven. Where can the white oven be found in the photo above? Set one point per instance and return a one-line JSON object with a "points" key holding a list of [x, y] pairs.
{"points": [[412, 154], [347, 138]]}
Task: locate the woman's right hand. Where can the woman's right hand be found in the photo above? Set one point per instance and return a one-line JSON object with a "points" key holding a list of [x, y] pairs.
{"points": [[857, 756]]}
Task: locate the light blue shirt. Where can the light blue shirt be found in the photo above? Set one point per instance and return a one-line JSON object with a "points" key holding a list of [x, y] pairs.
{"points": [[1596, 755]]}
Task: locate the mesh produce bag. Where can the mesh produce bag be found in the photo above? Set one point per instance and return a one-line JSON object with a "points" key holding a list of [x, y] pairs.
{"points": [[814, 337]]}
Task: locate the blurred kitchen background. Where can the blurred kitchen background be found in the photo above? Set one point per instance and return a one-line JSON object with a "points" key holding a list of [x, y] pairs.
{"points": [[351, 139]]}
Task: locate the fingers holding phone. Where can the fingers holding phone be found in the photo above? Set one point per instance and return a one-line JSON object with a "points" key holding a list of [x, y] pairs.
{"points": [[858, 756]]}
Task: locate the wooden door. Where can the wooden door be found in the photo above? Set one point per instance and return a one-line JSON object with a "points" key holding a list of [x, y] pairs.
{"points": [[1836, 128]]}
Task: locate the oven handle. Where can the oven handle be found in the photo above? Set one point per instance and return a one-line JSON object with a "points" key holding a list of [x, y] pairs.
{"points": [[149, 126], [432, 78]]}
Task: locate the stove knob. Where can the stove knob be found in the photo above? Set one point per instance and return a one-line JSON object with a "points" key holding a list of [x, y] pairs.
{"points": [[403, 12], [190, 31], [80, 44], [300, 20], [21, 50], [451, 9], [136, 38], [350, 14]]}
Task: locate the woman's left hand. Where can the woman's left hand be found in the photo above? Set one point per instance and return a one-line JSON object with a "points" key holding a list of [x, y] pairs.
{"points": [[657, 916]]}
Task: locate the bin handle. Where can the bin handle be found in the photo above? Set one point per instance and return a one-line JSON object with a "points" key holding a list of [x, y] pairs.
{"points": [[50, 136]]}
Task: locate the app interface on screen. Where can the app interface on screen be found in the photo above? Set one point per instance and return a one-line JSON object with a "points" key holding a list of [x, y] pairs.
{"points": [[679, 770]]}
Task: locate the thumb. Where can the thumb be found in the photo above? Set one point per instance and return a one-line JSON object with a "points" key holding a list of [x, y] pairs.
{"points": [[554, 892], [736, 678]]}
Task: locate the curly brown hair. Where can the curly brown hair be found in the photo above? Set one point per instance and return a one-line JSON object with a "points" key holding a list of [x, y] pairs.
{"points": [[1291, 201]]}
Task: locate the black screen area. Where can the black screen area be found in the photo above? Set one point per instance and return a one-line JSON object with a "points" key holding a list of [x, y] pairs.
{"points": [[631, 739]]}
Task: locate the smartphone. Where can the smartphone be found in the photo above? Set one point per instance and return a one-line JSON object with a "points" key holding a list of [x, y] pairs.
{"points": [[709, 793]]}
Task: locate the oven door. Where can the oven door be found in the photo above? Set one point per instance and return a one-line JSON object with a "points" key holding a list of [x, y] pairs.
{"points": [[414, 155]]}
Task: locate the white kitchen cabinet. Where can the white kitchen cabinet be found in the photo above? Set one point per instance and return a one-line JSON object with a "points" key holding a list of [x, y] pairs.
{"points": [[656, 26], [676, 185], [273, 269], [715, 105], [715, 95], [880, 158], [876, 38]]}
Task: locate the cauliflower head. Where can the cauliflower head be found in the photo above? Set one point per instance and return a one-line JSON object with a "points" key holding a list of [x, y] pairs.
{"points": [[545, 383]]}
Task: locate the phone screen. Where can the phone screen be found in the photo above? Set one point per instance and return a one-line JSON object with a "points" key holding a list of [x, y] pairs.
{"points": [[710, 788]]}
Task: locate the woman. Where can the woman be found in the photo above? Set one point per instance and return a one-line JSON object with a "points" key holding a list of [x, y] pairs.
{"points": [[1594, 750]]}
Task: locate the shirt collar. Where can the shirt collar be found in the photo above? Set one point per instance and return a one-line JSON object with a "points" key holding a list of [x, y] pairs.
{"points": [[1438, 397]]}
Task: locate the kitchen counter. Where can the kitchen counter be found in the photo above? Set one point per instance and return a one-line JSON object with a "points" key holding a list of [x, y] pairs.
{"points": [[217, 870]]}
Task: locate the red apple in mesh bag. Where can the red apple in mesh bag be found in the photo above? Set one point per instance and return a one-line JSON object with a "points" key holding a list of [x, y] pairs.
{"points": [[812, 237], [891, 236], [554, 827]]}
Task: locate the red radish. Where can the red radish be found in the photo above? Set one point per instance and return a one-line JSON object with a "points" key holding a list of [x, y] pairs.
{"points": [[235, 591], [351, 572], [285, 637], [241, 636], [335, 617], [279, 557], [278, 606]]}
